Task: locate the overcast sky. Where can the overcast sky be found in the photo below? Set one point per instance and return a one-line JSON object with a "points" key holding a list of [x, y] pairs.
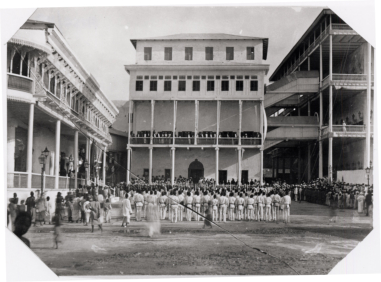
{"points": [[100, 37]]}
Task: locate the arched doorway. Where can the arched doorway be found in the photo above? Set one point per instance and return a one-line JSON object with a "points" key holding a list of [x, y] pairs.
{"points": [[196, 171]]}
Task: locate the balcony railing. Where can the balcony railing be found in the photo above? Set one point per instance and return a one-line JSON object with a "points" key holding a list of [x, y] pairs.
{"points": [[140, 140], [19, 82], [350, 77], [184, 140], [251, 141], [206, 140], [346, 128], [162, 140], [20, 180], [228, 141], [341, 26]]}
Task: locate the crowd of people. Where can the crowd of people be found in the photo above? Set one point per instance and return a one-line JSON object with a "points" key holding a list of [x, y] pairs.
{"points": [[184, 201]]}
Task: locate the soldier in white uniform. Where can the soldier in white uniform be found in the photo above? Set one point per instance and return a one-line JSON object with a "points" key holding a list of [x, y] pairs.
{"points": [[138, 200], [268, 201], [250, 208], [287, 206], [163, 205], [224, 201], [145, 203], [232, 200], [197, 205], [240, 202], [214, 208], [260, 206], [256, 208], [181, 207], [276, 205], [174, 206], [189, 201]]}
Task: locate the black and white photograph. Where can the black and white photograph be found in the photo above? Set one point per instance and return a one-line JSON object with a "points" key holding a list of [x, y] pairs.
{"points": [[159, 141]]}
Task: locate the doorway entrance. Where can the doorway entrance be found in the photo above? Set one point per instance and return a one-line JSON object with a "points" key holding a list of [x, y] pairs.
{"points": [[222, 176], [245, 176], [196, 171]]}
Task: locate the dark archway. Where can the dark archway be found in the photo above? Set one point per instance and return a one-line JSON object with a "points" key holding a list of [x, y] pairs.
{"points": [[196, 171]]}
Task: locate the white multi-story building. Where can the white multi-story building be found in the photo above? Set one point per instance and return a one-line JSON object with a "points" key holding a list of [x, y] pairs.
{"points": [[196, 107], [53, 103]]}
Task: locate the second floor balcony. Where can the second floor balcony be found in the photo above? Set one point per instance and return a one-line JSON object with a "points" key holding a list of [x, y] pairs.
{"points": [[21, 83], [346, 131]]}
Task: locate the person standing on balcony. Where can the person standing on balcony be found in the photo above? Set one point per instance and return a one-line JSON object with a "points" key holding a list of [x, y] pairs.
{"points": [[344, 126]]}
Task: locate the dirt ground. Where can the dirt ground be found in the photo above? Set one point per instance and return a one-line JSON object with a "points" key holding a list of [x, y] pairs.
{"points": [[311, 244]]}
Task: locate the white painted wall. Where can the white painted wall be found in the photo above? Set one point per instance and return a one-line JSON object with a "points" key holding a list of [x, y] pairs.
{"points": [[219, 50]]}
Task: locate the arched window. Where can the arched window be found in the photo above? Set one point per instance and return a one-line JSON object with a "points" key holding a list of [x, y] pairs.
{"points": [[16, 63]]}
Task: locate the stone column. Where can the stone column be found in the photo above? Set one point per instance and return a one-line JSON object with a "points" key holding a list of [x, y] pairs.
{"points": [[261, 167], [29, 153], [58, 155], [87, 159], [173, 166], [368, 106], [11, 146], [174, 121], [152, 119], [218, 121], [104, 166], [128, 164], [150, 165], [330, 140], [217, 165], [321, 115], [195, 121], [75, 159], [239, 151], [240, 122]]}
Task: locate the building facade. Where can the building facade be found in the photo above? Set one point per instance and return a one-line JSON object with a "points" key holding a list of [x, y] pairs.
{"points": [[53, 103], [341, 64], [196, 107]]}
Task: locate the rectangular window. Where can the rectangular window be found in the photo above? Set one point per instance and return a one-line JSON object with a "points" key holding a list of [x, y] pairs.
{"points": [[229, 53], [182, 77], [182, 85], [154, 77], [160, 77], [196, 85], [153, 85], [253, 85], [188, 53], [249, 53], [247, 77], [239, 77], [232, 77], [167, 77], [203, 77], [225, 85], [146, 77], [139, 85], [139, 77], [210, 85], [189, 77], [254, 77], [239, 85], [175, 77], [209, 53], [218, 77], [168, 53], [167, 85], [225, 77], [147, 53], [196, 77], [210, 76]]}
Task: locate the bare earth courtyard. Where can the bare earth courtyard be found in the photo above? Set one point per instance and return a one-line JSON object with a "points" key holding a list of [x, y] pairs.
{"points": [[310, 245]]}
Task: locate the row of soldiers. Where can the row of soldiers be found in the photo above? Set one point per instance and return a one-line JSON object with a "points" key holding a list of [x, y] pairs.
{"points": [[218, 204]]}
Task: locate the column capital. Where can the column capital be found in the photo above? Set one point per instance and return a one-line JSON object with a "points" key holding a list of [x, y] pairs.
{"points": [[173, 148], [217, 149]]}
